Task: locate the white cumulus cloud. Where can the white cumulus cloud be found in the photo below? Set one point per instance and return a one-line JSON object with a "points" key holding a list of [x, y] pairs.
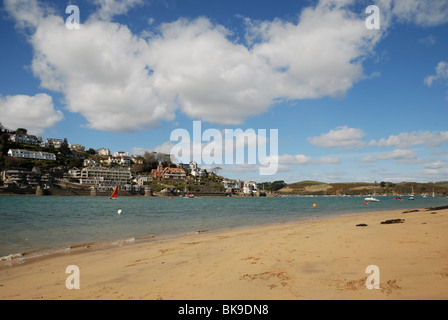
{"points": [[35, 113], [342, 136], [410, 139], [120, 81], [423, 13], [398, 154], [441, 74]]}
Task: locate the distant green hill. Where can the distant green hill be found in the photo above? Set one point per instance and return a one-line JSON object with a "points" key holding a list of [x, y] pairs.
{"points": [[309, 187]]}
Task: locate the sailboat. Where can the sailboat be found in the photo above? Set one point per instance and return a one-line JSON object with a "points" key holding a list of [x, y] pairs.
{"points": [[411, 196], [114, 194], [433, 194]]}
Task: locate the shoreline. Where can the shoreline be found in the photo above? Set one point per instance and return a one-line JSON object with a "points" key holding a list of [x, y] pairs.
{"points": [[306, 259], [31, 255]]}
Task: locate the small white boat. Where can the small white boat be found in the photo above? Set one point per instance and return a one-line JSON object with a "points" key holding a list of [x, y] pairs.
{"points": [[411, 196], [372, 198]]}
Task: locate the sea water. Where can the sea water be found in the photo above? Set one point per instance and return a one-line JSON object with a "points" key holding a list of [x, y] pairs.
{"points": [[45, 223]]}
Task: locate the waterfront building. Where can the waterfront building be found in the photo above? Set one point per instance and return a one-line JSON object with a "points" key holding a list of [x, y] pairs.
{"points": [[105, 178], [21, 177], [250, 187], [232, 184]]}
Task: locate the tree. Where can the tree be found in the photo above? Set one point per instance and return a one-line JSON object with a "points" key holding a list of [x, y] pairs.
{"points": [[64, 149], [149, 157], [277, 185], [22, 131]]}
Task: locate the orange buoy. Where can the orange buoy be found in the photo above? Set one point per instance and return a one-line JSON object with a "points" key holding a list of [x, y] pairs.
{"points": [[314, 205], [171, 197]]}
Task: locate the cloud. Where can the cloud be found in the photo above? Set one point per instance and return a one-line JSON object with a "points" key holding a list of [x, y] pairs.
{"points": [[436, 173], [422, 13], [439, 152], [342, 136], [435, 165], [119, 81], [330, 160], [35, 113], [409, 139], [216, 147], [109, 8], [441, 73], [298, 159], [27, 14], [428, 41], [398, 154], [101, 70]]}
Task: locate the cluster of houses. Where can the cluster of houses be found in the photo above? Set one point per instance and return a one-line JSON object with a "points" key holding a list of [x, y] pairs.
{"points": [[115, 172]]}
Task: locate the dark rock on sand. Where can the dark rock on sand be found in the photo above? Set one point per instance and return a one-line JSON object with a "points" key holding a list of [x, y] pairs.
{"points": [[392, 221], [437, 208], [408, 211]]}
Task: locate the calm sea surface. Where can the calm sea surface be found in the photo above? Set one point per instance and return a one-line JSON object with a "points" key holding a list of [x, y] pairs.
{"points": [[38, 224]]}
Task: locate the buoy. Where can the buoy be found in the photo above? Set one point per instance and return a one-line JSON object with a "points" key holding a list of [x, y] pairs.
{"points": [[365, 202], [120, 211], [171, 197], [314, 205]]}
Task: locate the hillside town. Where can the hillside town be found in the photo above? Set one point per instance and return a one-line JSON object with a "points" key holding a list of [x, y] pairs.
{"points": [[32, 165]]}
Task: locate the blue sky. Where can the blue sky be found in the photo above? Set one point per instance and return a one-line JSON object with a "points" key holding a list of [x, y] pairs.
{"points": [[349, 103]]}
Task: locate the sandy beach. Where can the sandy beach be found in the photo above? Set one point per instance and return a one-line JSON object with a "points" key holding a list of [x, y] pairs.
{"points": [[315, 259]]}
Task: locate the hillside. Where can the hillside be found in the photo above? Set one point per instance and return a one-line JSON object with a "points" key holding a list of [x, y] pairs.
{"points": [[363, 188]]}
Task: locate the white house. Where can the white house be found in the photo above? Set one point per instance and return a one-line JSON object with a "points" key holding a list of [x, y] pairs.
{"points": [[56, 143], [103, 152], [196, 171], [76, 147], [232, 184], [249, 187], [26, 139], [89, 162], [120, 154], [141, 180], [28, 154]]}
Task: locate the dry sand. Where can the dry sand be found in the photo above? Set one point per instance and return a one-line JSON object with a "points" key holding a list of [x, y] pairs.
{"points": [[318, 259]]}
